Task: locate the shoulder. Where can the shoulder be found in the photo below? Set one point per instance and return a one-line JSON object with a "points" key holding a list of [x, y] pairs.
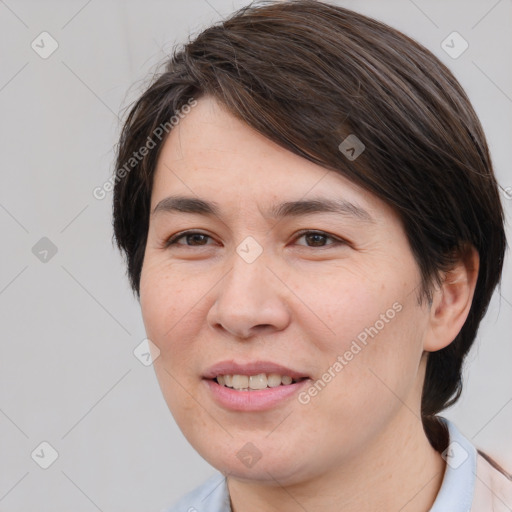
{"points": [[493, 486], [211, 496]]}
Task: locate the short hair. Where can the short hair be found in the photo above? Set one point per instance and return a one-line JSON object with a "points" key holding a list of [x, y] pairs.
{"points": [[306, 75]]}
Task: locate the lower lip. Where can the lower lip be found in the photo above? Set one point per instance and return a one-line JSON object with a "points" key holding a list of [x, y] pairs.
{"points": [[257, 400]]}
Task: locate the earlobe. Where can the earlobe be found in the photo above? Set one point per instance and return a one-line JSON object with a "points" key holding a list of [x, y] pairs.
{"points": [[452, 301]]}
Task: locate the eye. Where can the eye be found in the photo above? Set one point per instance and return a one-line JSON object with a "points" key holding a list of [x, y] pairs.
{"points": [[194, 235], [317, 237]]}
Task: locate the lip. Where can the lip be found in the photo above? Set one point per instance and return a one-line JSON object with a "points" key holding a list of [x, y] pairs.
{"points": [[255, 400], [250, 368]]}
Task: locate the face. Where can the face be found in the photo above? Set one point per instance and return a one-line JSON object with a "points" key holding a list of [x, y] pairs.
{"points": [[324, 299]]}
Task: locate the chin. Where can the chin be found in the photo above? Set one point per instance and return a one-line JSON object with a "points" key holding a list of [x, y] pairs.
{"points": [[267, 464]]}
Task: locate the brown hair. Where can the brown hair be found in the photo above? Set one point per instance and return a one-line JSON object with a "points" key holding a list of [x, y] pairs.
{"points": [[306, 74]]}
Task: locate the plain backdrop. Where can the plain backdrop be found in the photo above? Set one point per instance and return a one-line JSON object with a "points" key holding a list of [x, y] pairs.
{"points": [[69, 322]]}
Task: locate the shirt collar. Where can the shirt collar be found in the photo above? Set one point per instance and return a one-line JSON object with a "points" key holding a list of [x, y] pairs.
{"points": [[458, 486]]}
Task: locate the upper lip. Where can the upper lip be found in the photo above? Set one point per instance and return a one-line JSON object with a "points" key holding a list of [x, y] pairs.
{"points": [[250, 368]]}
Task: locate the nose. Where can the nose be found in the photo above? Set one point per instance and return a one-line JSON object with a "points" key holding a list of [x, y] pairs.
{"points": [[250, 300]]}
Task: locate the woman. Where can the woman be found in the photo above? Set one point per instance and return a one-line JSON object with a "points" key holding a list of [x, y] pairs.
{"points": [[311, 222]]}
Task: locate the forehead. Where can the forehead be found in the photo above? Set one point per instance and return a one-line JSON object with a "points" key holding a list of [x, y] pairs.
{"points": [[210, 138], [212, 154]]}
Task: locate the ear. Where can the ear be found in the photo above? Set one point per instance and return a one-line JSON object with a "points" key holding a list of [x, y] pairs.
{"points": [[452, 301]]}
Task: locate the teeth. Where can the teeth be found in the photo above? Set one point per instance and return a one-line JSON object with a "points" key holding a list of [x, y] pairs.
{"points": [[259, 381], [273, 380], [240, 381]]}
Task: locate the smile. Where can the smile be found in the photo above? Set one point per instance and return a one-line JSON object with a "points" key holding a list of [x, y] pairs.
{"points": [[255, 382]]}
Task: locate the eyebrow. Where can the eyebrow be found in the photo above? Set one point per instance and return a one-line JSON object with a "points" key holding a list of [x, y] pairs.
{"points": [[184, 204]]}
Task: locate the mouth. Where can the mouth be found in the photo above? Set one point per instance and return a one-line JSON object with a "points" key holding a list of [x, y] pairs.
{"points": [[256, 382], [253, 386]]}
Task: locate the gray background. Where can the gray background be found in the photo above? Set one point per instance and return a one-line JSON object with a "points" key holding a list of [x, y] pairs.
{"points": [[68, 375]]}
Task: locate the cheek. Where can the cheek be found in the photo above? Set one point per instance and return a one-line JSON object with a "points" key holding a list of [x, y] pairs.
{"points": [[179, 397], [170, 321], [173, 315], [369, 356], [168, 304], [375, 368], [345, 305]]}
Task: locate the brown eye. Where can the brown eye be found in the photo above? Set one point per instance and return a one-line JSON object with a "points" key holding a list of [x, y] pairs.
{"points": [[317, 239], [194, 236]]}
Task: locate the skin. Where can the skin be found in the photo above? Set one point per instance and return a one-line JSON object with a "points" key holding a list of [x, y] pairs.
{"points": [[359, 443]]}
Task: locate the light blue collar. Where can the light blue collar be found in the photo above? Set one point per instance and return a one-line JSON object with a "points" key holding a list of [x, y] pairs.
{"points": [[455, 494], [458, 487]]}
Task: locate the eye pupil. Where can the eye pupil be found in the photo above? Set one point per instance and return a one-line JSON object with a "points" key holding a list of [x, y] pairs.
{"points": [[197, 235], [321, 238]]}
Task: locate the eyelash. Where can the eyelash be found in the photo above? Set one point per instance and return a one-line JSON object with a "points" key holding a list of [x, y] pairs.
{"points": [[337, 241]]}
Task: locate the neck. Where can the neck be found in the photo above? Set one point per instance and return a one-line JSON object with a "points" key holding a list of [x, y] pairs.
{"points": [[396, 472]]}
